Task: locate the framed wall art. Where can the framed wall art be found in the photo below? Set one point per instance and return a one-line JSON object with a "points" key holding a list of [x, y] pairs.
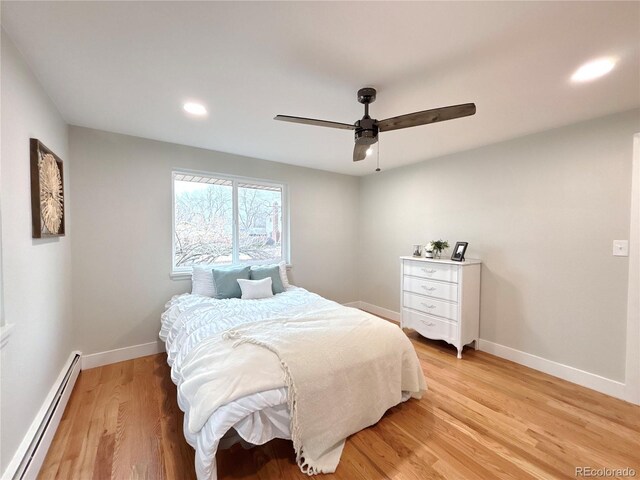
{"points": [[47, 192]]}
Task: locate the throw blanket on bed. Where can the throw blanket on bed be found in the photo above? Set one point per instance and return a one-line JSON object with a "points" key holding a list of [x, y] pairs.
{"points": [[344, 369], [213, 372]]}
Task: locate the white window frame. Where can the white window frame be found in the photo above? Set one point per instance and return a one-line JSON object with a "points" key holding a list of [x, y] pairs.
{"points": [[235, 180]]}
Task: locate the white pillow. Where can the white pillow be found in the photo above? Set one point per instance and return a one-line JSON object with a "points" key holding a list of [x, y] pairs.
{"points": [[202, 281], [252, 289], [283, 274]]}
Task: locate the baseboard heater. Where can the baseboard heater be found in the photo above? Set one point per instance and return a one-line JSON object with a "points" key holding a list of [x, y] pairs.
{"points": [[37, 449]]}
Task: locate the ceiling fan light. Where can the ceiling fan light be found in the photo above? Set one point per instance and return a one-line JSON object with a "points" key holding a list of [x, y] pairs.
{"points": [[369, 151]]}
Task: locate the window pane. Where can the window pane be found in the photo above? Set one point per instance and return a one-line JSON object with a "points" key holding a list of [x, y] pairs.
{"points": [[259, 222], [203, 221]]}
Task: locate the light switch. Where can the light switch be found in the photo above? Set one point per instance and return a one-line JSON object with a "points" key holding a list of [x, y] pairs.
{"points": [[621, 248]]}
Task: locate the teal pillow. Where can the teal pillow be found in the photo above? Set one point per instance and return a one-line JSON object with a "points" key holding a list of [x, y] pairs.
{"points": [[259, 272], [226, 281]]}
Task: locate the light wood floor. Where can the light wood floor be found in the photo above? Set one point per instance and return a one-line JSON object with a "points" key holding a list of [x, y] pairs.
{"points": [[482, 418]]}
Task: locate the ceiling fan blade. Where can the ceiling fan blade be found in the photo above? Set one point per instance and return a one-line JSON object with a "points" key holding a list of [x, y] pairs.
{"points": [[360, 152], [313, 121], [427, 116]]}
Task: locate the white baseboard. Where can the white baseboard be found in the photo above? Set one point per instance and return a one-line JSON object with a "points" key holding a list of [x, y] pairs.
{"points": [[352, 304], [565, 372], [121, 354], [376, 310], [44, 432], [381, 312]]}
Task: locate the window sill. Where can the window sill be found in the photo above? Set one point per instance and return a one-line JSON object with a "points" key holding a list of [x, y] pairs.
{"points": [[179, 275]]}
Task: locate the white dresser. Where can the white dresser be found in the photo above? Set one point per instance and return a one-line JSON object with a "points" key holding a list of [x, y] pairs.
{"points": [[440, 299]]}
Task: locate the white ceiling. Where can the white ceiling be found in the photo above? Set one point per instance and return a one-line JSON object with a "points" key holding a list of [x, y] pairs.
{"points": [[128, 67]]}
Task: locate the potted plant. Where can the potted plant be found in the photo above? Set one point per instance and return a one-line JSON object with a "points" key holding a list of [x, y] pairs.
{"points": [[437, 246]]}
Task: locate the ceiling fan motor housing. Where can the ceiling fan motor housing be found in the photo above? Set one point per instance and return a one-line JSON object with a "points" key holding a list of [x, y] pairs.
{"points": [[366, 131]]}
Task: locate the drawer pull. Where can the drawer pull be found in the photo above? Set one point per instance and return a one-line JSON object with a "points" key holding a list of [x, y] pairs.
{"points": [[428, 289], [428, 324], [426, 305], [429, 271]]}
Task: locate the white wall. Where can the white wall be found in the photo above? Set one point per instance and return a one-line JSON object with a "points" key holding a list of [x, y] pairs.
{"points": [[541, 212], [122, 231], [36, 273]]}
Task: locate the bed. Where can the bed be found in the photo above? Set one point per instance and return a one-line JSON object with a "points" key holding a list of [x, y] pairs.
{"points": [[235, 364]]}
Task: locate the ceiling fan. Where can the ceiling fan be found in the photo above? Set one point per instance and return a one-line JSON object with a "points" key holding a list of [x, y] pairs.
{"points": [[367, 128]]}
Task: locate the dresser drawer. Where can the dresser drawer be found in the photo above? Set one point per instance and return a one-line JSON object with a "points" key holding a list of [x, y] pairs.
{"points": [[431, 306], [446, 291], [447, 273], [431, 327]]}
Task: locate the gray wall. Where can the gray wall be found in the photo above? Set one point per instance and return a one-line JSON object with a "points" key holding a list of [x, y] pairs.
{"points": [[36, 273], [122, 231], [541, 212]]}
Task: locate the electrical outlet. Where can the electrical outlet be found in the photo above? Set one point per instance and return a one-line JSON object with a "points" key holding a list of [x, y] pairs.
{"points": [[621, 248]]}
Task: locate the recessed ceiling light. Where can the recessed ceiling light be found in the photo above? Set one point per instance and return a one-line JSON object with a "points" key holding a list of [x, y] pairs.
{"points": [[369, 150], [194, 108], [594, 69]]}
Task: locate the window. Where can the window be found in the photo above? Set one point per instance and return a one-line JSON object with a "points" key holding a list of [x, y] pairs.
{"points": [[223, 220]]}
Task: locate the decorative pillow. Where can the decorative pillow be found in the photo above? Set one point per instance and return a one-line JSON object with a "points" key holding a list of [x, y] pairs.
{"points": [[283, 274], [202, 281], [226, 281], [255, 288], [258, 272]]}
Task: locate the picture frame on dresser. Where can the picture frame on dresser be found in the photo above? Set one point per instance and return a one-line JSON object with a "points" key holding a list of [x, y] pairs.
{"points": [[440, 299], [459, 251]]}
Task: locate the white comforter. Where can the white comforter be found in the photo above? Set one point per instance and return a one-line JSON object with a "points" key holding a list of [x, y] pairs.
{"points": [[219, 386]]}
